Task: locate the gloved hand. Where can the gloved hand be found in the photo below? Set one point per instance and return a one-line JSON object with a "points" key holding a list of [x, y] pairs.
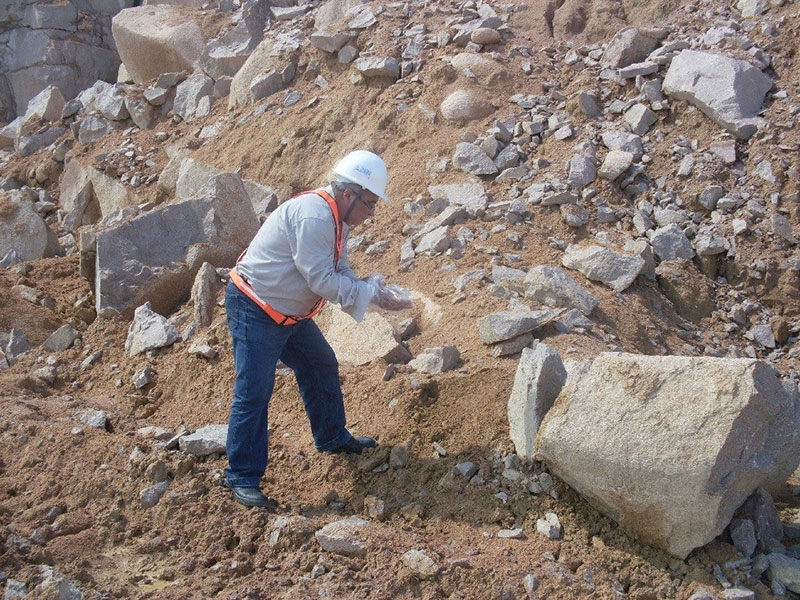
{"points": [[393, 297], [388, 297]]}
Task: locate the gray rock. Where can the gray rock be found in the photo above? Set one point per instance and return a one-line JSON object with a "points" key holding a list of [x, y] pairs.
{"points": [[156, 39], [471, 194], [631, 45], [785, 570], [23, 231], [472, 159], [669, 242], [422, 565], [465, 105], [213, 228], [149, 331], [611, 418], [639, 118], [553, 287], [194, 96], [211, 439], [341, 537], [729, 91], [504, 325], [615, 164], [150, 496], [371, 67], [538, 381], [436, 360], [597, 263], [61, 339]]}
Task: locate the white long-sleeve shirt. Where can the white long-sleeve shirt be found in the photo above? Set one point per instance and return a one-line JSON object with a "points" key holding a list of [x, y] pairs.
{"points": [[290, 262]]}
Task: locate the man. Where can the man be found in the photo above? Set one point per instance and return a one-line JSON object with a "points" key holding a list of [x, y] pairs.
{"points": [[297, 261]]}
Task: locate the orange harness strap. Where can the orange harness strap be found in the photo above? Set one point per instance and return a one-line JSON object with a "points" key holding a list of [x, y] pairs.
{"points": [[248, 291]]}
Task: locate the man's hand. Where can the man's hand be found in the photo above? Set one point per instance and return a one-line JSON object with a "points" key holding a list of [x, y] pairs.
{"points": [[392, 297]]}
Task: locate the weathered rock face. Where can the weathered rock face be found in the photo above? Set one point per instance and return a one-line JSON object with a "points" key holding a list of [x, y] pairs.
{"points": [[668, 446], [64, 44]]}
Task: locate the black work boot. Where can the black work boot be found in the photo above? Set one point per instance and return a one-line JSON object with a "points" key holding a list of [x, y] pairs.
{"points": [[251, 496], [355, 445]]}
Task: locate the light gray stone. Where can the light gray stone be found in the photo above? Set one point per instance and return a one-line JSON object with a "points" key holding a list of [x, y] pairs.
{"points": [[733, 428], [213, 228], [372, 67], [149, 331], [422, 565], [211, 439], [472, 159], [436, 360], [669, 242], [361, 343], [538, 381], [156, 39], [504, 325], [618, 271], [631, 45], [729, 91], [341, 537], [465, 105], [553, 287], [470, 194]]}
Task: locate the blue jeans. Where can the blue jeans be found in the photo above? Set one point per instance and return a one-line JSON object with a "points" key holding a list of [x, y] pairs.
{"points": [[258, 344]]}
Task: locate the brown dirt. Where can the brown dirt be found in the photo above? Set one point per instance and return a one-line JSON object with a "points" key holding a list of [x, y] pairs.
{"points": [[74, 490]]}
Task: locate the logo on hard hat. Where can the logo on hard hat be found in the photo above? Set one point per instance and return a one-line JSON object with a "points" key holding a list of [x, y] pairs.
{"points": [[364, 171]]}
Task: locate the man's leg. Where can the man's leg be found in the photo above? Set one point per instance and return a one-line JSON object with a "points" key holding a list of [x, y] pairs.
{"points": [[314, 363], [257, 344]]}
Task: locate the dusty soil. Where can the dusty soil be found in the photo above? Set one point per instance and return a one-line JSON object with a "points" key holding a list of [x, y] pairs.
{"points": [[70, 494]]}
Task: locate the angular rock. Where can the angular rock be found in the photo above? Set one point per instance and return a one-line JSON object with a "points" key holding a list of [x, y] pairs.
{"points": [[149, 331], [504, 325], [470, 194], [341, 537], [360, 343], [276, 58], [436, 360], [61, 339], [422, 565], [472, 159], [729, 91], [553, 287], [631, 45], [211, 439], [669, 242], [538, 381], [618, 271], [159, 265], [156, 39], [732, 427]]}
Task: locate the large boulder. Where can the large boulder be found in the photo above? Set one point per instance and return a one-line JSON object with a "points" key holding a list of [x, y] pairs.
{"points": [[155, 257], [156, 39], [670, 446]]}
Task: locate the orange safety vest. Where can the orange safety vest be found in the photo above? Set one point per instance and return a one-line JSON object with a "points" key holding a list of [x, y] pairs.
{"points": [[247, 289]]}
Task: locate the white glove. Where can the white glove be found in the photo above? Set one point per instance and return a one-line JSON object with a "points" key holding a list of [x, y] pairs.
{"points": [[386, 296]]}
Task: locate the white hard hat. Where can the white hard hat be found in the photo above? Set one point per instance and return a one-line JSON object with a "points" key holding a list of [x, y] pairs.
{"points": [[365, 169]]}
